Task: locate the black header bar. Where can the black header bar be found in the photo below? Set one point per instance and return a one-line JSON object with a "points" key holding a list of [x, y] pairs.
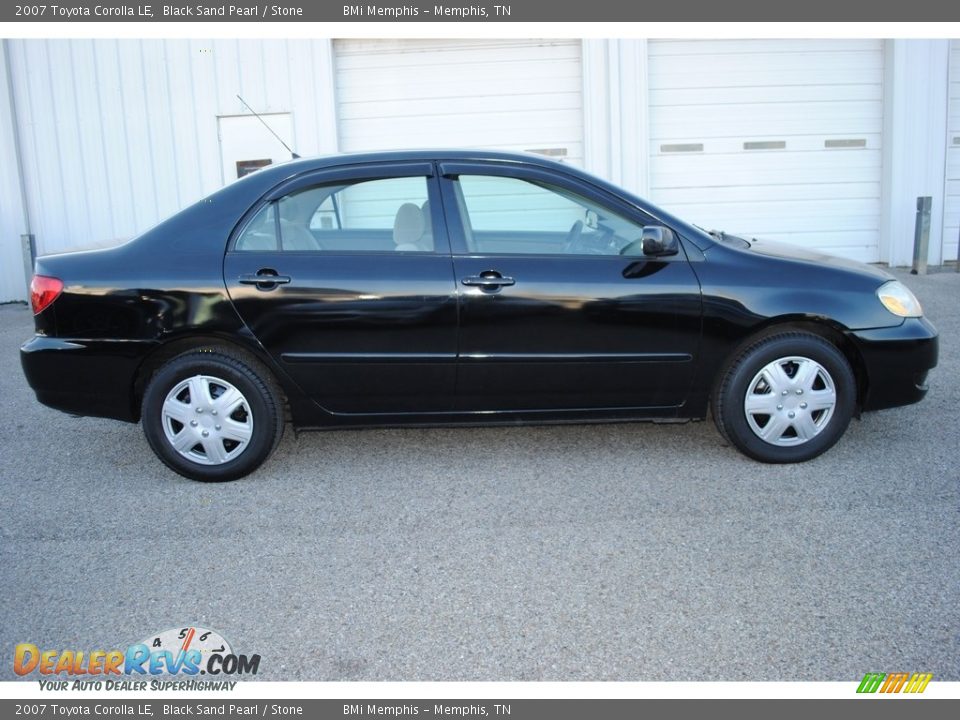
{"points": [[234, 708], [483, 12]]}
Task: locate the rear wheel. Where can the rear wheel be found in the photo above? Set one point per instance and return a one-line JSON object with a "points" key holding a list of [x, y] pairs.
{"points": [[786, 398], [212, 416]]}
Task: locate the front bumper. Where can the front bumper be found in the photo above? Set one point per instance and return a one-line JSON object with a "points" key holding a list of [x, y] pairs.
{"points": [[84, 377], [896, 361]]}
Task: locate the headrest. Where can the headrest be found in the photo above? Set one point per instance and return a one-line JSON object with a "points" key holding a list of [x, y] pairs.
{"points": [[408, 226]]}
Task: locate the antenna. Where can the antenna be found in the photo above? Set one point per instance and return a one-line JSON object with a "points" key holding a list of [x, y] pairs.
{"points": [[257, 116]]}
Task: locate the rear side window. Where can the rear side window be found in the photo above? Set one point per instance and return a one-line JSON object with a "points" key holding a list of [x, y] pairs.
{"points": [[260, 235], [382, 215]]}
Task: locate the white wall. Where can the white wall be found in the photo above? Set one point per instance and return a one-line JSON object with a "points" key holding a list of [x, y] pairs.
{"points": [[915, 117], [119, 134], [616, 120], [951, 223], [12, 217]]}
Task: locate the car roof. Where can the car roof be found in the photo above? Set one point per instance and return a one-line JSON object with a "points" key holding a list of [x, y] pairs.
{"points": [[271, 175], [306, 164]]}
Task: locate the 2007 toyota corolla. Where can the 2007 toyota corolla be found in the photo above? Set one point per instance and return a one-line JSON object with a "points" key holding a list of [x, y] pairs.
{"points": [[461, 287]]}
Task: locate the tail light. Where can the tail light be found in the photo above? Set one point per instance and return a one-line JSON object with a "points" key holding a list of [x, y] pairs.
{"points": [[43, 291]]}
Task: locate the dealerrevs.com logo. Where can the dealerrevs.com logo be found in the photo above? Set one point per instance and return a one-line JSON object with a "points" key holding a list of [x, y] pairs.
{"points": [[186, 651]]}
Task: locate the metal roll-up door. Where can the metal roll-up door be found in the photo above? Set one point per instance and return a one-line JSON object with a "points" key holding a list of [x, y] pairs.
{"points": [[512, 94], [779, 139]]}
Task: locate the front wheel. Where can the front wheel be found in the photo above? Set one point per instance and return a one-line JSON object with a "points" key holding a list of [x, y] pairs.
{"points": [[212, 416], [785, 398]]}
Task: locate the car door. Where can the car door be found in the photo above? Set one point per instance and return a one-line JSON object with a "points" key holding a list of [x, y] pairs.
{"points": [[552, 315], [346, 280]]}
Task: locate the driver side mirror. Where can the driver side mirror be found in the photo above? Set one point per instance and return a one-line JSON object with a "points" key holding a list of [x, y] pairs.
{"points": [[659, 241]]}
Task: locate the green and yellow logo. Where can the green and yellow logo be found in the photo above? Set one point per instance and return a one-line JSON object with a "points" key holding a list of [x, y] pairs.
{"points": [[894, 682]]}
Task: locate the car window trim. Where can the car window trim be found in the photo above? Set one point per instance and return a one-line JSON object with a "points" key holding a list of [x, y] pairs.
{"points": [[377, 171], [458, 219], [325, 176]]}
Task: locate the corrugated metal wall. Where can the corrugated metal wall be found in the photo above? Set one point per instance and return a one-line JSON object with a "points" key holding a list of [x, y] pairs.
{"points": [[951, 220], [133, 124], [12, 221]]}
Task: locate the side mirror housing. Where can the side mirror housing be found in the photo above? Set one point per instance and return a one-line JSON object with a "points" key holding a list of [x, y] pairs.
{"points": [[659, 241]]}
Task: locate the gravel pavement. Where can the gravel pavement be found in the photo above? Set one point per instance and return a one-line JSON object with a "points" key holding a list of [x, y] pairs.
{"points": [[608, 552]]}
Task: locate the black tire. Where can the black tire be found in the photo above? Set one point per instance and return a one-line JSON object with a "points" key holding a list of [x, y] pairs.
{"points": [[810, 430], [257, 420]]}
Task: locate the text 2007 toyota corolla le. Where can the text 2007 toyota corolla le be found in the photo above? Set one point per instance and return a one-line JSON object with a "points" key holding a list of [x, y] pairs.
{"points": [[461, 287]]}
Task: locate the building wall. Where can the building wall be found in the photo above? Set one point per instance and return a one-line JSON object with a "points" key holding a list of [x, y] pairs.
{"points": [[118, 134], [115, 135], [951, 221], [914, 125], [13, 284]]}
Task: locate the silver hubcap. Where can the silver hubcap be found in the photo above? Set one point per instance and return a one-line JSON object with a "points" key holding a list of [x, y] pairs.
{"points": [[790, 401], [207, 420]]}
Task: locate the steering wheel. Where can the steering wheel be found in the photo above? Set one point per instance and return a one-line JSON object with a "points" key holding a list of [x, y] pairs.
{"points": [[571, 244]]}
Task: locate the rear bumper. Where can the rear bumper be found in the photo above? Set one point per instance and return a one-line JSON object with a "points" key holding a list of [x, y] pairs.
{"points": [[84, 377], [897, 361]]}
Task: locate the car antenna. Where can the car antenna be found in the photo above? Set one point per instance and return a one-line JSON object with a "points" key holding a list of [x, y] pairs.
{"points": [[257, 116]]}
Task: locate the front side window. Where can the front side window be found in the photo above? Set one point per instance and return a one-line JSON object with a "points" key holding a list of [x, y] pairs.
{"points": [[504, 215], [383, 215]]}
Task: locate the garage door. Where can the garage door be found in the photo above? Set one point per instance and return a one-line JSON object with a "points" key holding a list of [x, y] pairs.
{"points": [[951, 221], [512, 94], [777, 139]]}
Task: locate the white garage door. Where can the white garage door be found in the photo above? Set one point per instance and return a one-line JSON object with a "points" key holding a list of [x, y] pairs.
{"points": [[512, 94], [777, 139], [951, 221]]}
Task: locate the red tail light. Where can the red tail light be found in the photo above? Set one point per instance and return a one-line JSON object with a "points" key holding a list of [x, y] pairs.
{"points": [[43, 291]]}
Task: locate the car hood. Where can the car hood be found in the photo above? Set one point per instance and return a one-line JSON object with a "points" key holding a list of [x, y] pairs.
{"points": [[784, 251]]}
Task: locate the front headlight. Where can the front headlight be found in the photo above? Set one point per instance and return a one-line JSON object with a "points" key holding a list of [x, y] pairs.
{"points": [[898, 299]]}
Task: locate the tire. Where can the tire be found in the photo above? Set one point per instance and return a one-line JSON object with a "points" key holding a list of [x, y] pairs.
{"points": [[785, 398], [229, 432]]}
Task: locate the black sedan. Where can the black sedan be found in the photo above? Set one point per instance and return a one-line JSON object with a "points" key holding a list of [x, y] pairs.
{"points": [[461, 287]]}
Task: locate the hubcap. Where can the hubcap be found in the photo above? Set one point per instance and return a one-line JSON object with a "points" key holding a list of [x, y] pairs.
{"points": [[207, 420], [790, 401]]}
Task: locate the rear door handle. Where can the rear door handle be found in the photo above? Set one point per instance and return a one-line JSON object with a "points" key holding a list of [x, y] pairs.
{"points": [[265, 279], [488, 280]]}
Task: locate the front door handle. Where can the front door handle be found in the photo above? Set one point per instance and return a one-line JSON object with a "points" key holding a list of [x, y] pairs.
{"points": [[488, 280], [265, 279]]}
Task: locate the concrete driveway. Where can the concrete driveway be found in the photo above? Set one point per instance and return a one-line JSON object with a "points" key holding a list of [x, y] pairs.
{"points": [[612, 552]]}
